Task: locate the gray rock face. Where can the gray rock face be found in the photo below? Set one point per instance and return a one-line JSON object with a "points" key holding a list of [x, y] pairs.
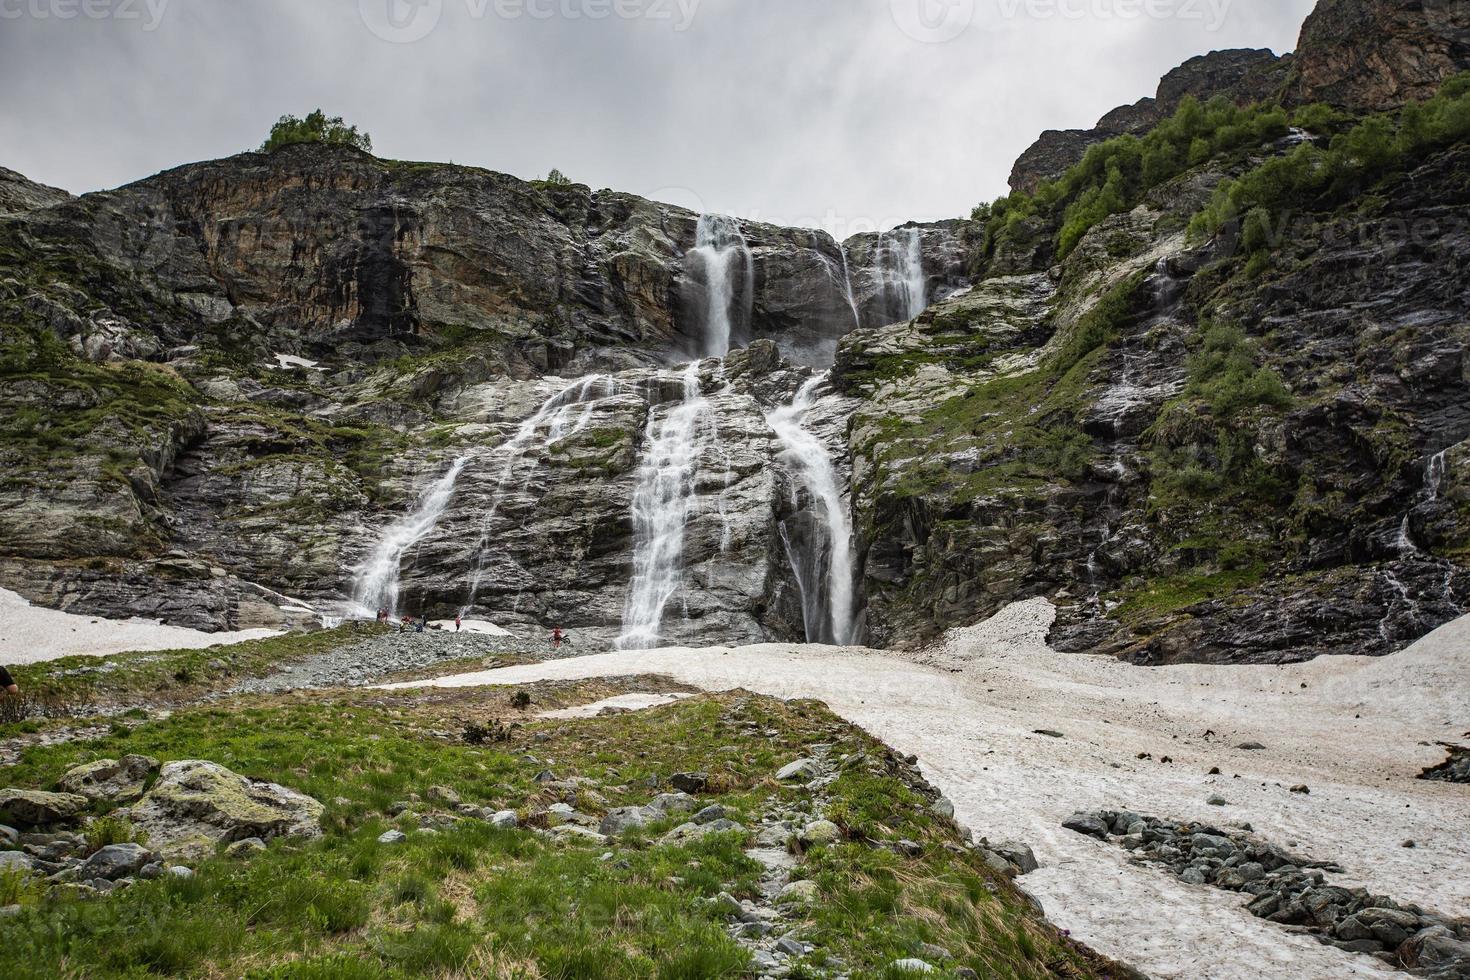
{"points": [[196, 804]]}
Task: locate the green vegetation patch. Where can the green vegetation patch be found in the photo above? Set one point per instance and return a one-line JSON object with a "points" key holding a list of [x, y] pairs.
{"points": [[474, 900]]}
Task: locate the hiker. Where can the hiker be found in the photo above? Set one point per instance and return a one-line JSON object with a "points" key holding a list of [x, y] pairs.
{"points": [[423, 621], [457, 621], [7, 683], [407, 622], [556, 638], [382, 615]]}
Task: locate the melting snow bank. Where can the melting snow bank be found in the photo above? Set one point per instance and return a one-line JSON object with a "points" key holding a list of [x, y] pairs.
{"points": [[33, 634], [623, 702], [1356, 730]]}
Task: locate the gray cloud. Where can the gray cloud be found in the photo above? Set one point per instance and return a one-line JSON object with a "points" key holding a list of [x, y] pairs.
{"points": [[822, 112]]}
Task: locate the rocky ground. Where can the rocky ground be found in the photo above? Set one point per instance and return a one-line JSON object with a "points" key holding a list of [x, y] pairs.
{"points": [[1017, 735], [1292, 890]]}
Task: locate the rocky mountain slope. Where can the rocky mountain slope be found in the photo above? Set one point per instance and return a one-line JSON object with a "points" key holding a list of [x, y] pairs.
{"points": [[1200, 379]]}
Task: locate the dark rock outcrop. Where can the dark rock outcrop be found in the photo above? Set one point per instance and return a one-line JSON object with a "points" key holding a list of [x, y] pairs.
{"points": [[1376, 55]]}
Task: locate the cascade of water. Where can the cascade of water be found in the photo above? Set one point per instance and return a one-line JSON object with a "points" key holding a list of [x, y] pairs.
{"points": [[857, 320], [377, 581], [663, 499], [561, 416], [720, 247], [900, 261], [829, 613], [1434, 475]]}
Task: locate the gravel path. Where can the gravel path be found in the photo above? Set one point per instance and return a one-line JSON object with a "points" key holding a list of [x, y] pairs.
{"points": [[1356, 730]]}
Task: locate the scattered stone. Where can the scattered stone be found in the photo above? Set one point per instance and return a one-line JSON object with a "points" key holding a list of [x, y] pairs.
{"points": [[505, 820], [392, 837], [689, 782], [671, 804], [790, 947], [17, 861], [115, 780], [1301, 790], [942, 808], [799, 771], [710, 814], [1018, 855], [1217, 800], [543, 777], [1048, 733], [35, 808], [150, 871], [1085, 823], [443, 795], [820, 833], [910, 966], [115, 861], [624, 819], [8, 835], [804, 890], [1251, 747], [249, 847], [180, 872], [929, 951]]}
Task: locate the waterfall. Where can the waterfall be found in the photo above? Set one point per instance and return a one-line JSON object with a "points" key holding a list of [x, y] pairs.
{"points": [[828, 613], [857, 320], [721, 250], [663, 500], [1434, 471], [378, 578], [900, 272], [561, 416]]}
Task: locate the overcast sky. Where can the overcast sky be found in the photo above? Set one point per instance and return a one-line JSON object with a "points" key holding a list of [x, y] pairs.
{"points": [[844, 114]]}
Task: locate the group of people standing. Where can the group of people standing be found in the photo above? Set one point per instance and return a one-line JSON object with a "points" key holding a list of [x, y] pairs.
{"points": [[407, 623]]}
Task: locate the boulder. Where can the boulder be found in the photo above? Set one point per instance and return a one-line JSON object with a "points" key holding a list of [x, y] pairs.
{"points": [[819, 833], [798, 771], [35, 808], [505, 820], [1086, 823], [16, 860], [624, 819], [115, 780], [689, 782], [443, 795], [1435, 949], [115, 861], [196, 805], [804, 890], [668, 804], [392, 837], [1018, 855]]}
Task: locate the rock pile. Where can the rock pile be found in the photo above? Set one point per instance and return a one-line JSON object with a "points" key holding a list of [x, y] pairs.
{"points": [[190, 808], [1291, 890], [1455, 769]]}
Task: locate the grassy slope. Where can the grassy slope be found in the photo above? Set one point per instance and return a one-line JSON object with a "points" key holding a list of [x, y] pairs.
{"points": [[479, 901]]}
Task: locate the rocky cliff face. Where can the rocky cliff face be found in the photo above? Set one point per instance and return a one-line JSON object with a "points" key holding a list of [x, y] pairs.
{"points": [[1377, 55], [1242, 75], [279, 388]]}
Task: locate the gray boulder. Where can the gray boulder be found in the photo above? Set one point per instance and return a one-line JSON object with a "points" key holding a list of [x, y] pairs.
{"points": [[624, 819], [1018, 855], [115, 861], [115, 780], [1086, 823], [16, 861], [196, 805], [35, 808], [798, 771]]}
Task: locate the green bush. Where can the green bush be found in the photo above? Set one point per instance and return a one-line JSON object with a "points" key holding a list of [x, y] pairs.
{"points": [[317, 127], [112, 829], [1313, 178]]}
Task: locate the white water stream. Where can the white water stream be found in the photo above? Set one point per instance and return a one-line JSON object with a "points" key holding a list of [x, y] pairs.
{"points": [[377, 582], [825, 572], [900, 271], [663, 500], [721, 250]]}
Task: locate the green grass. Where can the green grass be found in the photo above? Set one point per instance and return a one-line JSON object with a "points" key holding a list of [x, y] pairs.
{"points": [[167, 675], [478, 901], [1168, 595]]}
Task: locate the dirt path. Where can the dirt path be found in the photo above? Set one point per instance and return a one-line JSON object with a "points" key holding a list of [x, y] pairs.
{"points": [[1352, 729]]}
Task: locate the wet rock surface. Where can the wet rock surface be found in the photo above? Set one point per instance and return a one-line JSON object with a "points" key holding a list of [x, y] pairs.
{"points": [[1291, 890]]}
